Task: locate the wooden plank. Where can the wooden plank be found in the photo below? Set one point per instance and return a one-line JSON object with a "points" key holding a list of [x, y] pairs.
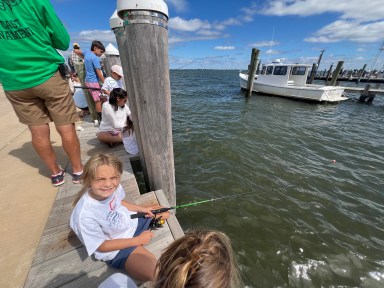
{"points": [[62, 269], [91, 279], [174, 225], [61, 260]]}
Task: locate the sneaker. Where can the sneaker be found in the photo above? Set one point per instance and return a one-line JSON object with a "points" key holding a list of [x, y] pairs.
{"points": [[76, 177], [58, 179]]}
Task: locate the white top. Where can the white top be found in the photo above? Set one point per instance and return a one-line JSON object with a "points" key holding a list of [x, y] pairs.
{"points": [[111, 50], [118, 280], [110, 84], [95, 221], [130, 143], [112, 120]]}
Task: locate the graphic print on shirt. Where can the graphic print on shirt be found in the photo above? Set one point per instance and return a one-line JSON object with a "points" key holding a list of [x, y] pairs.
{"points": [[12, 29], [114, 218], [9, 3]]}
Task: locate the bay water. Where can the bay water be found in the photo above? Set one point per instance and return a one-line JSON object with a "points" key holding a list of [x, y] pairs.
{"points": [[313, 213]]}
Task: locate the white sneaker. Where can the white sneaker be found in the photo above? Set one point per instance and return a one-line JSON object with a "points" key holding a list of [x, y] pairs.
{"points": [[96, 123]]}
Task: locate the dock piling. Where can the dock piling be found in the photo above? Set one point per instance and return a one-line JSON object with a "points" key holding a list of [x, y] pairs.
{"points": [[146, 71], [361, 72], [328, 73], [252, 71], [336, 73], [313, 72]]}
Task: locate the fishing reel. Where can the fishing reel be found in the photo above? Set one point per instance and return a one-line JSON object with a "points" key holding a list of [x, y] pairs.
{"points": [[156, 223]]}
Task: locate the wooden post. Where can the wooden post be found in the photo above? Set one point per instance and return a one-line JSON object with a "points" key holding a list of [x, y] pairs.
{"points": [[252, 71], [335, 74], [313, 72], [319, 59], [328, 73], [146, 70], [112, 57], [365, 93], [117, 27], [361, 72], [88, 97]]}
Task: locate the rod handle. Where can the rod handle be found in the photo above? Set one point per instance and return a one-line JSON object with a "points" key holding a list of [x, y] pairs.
{"points": [[142, 214]]}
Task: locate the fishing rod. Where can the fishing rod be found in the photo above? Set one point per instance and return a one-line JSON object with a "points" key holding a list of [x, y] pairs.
{"points": [[85, 87], [165, 209]]}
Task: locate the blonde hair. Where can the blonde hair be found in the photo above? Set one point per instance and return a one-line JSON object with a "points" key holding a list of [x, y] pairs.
{"points": [[199, 259], [90, 170]]}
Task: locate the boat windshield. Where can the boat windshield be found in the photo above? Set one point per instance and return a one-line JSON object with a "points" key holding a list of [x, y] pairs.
{"points": [[280, 70], [299, 70]]}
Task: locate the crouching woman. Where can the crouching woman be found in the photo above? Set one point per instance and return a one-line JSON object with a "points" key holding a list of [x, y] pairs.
{"points": [[114, 118]]}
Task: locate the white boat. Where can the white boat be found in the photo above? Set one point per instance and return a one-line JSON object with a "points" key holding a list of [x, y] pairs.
{"points": [[289, 80]]}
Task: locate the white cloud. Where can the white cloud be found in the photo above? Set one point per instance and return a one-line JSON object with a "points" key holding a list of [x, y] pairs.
{"points": [[358, 22], [180, 24], [174, 40], [104, 36], [264, 44], [272, 52], [229, 22], [348, 30], [224, 48], [180, 5], [348, 9], [209, 33]]}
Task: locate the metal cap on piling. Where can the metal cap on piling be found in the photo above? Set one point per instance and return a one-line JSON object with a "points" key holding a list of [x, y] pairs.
{"points": [[115, 21], [148, 5]]}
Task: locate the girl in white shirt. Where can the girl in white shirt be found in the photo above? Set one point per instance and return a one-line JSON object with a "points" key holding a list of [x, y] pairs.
{"points": [[101, 220], [114, 118]]}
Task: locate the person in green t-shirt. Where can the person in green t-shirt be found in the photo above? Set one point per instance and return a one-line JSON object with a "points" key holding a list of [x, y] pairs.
{"points": [[30, 33]]}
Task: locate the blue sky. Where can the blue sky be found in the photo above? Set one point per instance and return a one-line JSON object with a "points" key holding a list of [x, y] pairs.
{"points": [[214, 34]]}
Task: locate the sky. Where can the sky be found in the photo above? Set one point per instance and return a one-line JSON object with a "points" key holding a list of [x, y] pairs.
{"points": [[213, 34]]}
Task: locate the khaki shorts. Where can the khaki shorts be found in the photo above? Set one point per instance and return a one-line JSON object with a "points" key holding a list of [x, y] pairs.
{"points": [[47, 102]]}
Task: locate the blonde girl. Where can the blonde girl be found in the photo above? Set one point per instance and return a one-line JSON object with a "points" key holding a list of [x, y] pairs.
{"points": [[101, 220], [199, 259]]}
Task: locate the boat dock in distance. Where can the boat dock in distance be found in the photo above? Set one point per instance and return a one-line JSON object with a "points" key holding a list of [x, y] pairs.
{"points": [[291, 80]]}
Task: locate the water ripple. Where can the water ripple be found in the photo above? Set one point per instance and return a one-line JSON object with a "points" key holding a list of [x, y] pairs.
{"points": [[316, 172]]}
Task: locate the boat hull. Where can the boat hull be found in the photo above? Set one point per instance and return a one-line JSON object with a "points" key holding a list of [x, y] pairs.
{"points": [[308, 92]]}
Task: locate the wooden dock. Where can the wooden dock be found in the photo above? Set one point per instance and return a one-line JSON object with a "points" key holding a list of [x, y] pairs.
{"points": [[361, 89], [61, 260]]}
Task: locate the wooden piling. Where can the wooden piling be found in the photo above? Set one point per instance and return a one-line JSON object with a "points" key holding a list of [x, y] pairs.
{"points": [[328, 73], [110, 60], [117, 27], [313, 72], [361, 72], [252, 71], [146, 70], [335, 74]]}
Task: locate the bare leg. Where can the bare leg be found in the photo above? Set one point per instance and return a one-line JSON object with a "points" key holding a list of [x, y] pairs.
{"points": [[98, 106], [71, 145], [108, 138], [141, 264], [41, 141]]}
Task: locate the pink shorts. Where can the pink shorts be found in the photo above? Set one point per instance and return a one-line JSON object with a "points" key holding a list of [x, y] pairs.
{"points": [[95, 93]]}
